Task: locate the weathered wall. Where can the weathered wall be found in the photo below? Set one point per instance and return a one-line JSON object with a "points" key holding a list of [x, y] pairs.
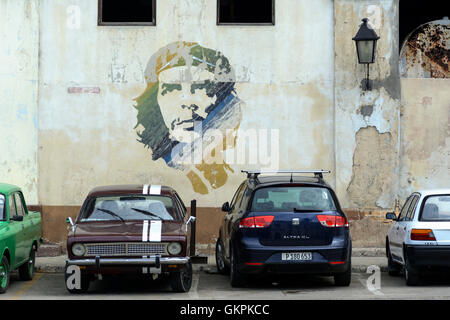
{"points": [[19, 38], [367, 122], [425, 150], [96, 84]]}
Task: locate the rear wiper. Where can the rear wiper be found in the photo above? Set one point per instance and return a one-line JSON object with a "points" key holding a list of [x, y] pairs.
{"points": [[304, 210], [148, 213], [111, 213]]}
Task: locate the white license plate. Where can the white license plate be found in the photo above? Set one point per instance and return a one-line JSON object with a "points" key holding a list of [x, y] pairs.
{"points": [[296, 256]]}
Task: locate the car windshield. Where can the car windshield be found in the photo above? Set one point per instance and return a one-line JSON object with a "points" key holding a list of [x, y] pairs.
{"points": [[287, 199], [2, 207], [436, 208], [130, 208]]}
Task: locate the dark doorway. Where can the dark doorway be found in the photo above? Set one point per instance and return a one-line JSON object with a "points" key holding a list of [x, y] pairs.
{"points": [[413, 13]]}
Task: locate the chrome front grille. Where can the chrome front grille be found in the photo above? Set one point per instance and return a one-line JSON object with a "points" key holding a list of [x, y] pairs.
{"points": [[125, 249]]}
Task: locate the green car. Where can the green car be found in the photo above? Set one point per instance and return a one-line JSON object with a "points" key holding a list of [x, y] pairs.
{"points": [[20, 235]]}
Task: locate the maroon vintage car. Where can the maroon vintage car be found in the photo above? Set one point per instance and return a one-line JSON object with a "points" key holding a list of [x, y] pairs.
{"points": [[130, 229]]}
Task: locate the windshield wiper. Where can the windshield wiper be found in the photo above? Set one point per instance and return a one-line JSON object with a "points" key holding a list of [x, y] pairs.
{"points": [[304, 210], [148, 213], [111, 213]]}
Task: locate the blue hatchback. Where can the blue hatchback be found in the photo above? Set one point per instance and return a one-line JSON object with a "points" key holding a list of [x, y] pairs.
{"points": [[281, 223]]}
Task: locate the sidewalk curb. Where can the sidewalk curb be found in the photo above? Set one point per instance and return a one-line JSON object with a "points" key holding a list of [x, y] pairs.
{"points": [[57, 264]]}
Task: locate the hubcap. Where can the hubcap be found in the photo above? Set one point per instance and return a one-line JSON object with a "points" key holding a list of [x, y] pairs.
{"points": [[3, 276]]}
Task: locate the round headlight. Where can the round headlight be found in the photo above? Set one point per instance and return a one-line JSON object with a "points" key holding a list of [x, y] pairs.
{"points": [[78, 249], [174, 248]]}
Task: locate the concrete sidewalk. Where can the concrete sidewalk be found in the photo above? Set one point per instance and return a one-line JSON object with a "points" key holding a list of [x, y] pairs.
{"points": [[362, 258]]}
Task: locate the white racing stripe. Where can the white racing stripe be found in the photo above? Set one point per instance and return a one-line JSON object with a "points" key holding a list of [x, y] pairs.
{"points": [[155, 189], [145, 189], [155, 231], [145, 231]]}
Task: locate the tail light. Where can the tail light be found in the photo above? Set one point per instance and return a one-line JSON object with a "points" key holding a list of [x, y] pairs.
{"points": [[422, 234], [256, 222], [332, 221]]}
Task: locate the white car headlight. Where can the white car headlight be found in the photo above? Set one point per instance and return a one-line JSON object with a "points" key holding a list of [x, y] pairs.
{"points": [[174, 248], [78, 249]]}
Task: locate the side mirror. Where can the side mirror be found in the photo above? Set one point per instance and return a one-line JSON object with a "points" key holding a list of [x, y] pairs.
{"points": [[17, 218], [69, 220], [226, 207], [391, 216]]}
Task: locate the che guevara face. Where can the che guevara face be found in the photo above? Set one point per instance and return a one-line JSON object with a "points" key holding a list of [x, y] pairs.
{"points": [[183, 97]]}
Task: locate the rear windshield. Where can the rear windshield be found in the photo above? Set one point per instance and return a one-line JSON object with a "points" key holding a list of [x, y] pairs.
{"points": [[2, 207], [130, 208], [286, 199], [436, 208]]}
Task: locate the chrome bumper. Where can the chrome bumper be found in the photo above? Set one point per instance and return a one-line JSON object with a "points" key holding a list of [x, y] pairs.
{"points": [[151, 261]]}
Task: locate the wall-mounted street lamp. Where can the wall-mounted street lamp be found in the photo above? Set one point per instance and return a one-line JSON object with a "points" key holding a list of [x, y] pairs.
{"points": [[366, 43]]}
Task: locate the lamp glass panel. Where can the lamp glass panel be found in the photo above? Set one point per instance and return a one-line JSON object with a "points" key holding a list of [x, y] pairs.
{"points": [[365, 51]]}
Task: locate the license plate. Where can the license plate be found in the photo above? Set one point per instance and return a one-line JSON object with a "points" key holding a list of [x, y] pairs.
{"points": [[296, 256]]}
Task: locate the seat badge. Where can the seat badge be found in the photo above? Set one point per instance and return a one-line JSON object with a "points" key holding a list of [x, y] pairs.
{"points": [[296, 221]]}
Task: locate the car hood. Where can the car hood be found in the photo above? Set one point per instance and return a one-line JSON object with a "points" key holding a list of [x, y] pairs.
{"points": [[126, 229]]}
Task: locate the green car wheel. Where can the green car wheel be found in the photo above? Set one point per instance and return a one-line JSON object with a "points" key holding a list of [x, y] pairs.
{"points": [[4, 275], [26, 271]]}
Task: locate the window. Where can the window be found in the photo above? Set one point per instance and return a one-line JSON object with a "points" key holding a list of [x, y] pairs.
{"points": [[152, 207], [12, 207], [258, 12], [2, 207], [412, 209], [405, 209], [236, 195], [120, 12], [289, 199], [436, 208], [19, 204]]}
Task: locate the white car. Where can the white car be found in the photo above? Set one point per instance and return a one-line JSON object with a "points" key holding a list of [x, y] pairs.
{"points": [[419, 238]]}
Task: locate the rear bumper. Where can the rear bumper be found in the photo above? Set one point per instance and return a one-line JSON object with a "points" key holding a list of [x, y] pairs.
{"points": [[423, 256], [325, 261]]}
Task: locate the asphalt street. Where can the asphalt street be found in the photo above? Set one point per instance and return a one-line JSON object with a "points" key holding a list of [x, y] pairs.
{"points": [[208, 285]]}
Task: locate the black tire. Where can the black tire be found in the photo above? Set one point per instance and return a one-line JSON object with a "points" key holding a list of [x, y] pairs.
{"points": [[222, 267], [26, 271], [237, 279], [85, 280], [181, 281], [393, 267], [344, 279], [411, 274], [4, 275]]}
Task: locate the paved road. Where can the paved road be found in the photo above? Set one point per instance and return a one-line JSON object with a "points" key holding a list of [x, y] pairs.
{"points": [[214, 286]]}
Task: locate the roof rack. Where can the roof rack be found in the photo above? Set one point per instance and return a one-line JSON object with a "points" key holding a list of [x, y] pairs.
{"points": [[255, 173]]}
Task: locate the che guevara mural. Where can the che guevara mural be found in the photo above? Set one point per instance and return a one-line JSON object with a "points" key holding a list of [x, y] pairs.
{"points": [[189, 113]]}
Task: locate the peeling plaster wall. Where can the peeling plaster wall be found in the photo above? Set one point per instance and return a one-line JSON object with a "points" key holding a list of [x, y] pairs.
{"points": [[366, 122], [425, 136], [425, 156], [19, 38]]}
